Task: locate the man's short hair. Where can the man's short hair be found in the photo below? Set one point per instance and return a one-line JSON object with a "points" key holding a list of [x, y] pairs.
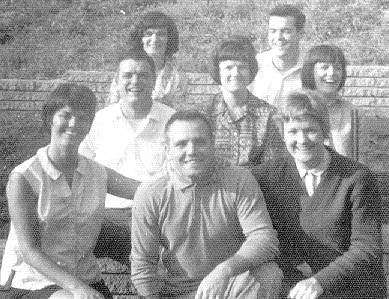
{"points": [[77, 97], [136, 54], [322, 53], [189, 115], [302, 104], [288, 10], [155, 20], [235, 48]]}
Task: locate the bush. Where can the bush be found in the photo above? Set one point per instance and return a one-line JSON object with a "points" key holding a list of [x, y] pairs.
{"points": [[43, 39], [19, 139]]}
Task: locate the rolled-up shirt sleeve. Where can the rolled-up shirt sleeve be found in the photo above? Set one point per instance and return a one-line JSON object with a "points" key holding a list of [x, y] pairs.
{"points": [[261, 244], [145, 236]]}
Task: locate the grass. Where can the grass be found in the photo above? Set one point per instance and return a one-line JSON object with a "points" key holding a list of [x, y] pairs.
{"points": [[44, 38]]}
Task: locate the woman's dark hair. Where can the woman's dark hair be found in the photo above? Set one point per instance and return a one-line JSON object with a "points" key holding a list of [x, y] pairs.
{"points": [[235, 48], [77, 97], [322, 53], [155, 19]]}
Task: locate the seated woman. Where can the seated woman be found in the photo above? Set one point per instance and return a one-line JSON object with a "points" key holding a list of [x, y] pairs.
{"points": [[56, 203], [244, 130], [157, 34], [325, 208], [324, 70]]}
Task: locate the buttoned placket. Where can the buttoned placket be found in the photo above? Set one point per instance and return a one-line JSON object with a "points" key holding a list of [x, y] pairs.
{"points": [[76, 198]]}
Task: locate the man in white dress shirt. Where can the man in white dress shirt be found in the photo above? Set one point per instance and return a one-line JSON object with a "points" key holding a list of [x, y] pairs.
{"points": [[128, 137], [279, 68]]}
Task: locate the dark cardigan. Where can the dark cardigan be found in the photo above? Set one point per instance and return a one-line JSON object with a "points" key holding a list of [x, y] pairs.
{"points": [[336, 231]]}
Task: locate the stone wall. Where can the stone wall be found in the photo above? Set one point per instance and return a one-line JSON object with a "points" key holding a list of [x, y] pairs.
{"points": [[366, 86]]}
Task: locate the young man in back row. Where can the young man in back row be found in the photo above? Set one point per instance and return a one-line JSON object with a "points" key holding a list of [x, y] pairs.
{"points": [[279, 68]]}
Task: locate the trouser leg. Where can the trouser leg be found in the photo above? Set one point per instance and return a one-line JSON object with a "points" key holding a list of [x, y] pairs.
{"points": [[115, 236], [263, 282]]}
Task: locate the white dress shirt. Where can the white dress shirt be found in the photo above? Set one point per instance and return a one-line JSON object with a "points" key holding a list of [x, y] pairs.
{"points": [[341, 128], [136, 153], [272, 85], [312, 177]]}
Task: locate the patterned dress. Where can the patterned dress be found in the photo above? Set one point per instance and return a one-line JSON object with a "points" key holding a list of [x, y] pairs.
{"points": [[248, 139]]}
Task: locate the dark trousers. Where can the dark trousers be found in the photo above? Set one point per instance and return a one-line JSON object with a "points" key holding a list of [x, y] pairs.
{"points": [[115, 236]]}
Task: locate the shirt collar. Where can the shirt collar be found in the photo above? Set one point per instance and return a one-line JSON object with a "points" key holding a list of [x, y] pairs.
{"points": [[317, 171], [154, 114], [51, 170], [293, 69], [183, 183]]}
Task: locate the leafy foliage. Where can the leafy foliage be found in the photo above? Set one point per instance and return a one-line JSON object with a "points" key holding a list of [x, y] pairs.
{"points": [[20, 137], [44, 38]]}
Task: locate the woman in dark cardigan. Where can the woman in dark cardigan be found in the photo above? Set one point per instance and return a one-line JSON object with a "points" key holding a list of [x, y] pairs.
{"points": [[325, 207]]}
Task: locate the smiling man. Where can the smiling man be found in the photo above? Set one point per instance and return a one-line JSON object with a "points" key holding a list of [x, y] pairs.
{"points": [[279, 68], [209, 220], [128, 137]]}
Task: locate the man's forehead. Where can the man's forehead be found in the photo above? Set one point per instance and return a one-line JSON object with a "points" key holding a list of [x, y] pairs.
{"points": [[135, 65], [188, 129], [283, 21]]}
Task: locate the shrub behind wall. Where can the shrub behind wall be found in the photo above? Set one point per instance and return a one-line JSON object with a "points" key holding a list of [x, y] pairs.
{"points": [[43, 39]]}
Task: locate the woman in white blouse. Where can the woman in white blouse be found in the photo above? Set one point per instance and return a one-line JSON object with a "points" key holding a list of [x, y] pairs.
{"points": [[56, 203], [324, 70]]}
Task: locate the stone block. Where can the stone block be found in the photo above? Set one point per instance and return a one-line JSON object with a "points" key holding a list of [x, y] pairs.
{"points": [[119, 284], [27, 96], [203, 89], [8, 84], [47, 85], [373, 143], [367, 71], [20, 105], [385, 239], [366, 92], [200, 78], [368, 101], [88, 76], [358, 82], [366, 82], [109, 266]]}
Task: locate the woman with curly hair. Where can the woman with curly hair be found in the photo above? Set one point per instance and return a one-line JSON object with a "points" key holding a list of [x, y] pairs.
{"points": [[157, 34]]}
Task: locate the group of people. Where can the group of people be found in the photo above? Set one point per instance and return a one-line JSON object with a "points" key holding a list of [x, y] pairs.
{"points": [[254, 196]]}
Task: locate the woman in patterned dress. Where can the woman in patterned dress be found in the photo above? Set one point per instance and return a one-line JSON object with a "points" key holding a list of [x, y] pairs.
{"points": [[244, 130]]}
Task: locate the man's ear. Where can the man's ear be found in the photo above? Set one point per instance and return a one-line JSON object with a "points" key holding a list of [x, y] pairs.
{"points": [[116, 77], [167, 149], [301, 33]]}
